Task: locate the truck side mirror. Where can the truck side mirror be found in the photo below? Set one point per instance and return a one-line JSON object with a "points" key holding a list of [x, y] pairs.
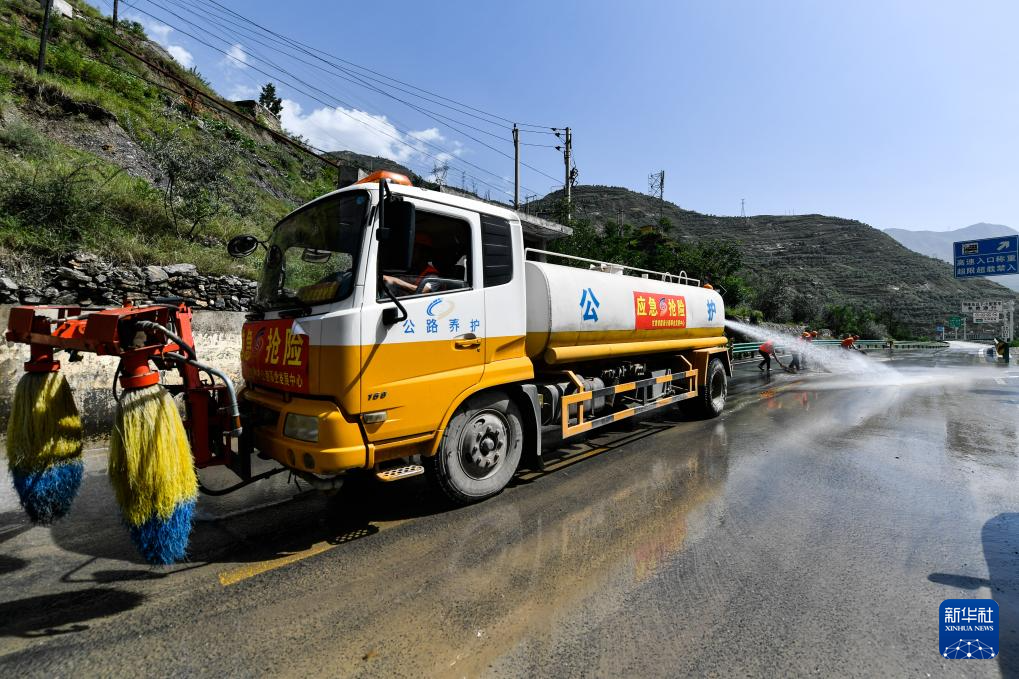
{"points": [[396, 232], [242, 246]]}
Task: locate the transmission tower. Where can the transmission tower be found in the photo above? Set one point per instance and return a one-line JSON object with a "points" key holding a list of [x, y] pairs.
{"points": [[439, 171], [656, 188]]}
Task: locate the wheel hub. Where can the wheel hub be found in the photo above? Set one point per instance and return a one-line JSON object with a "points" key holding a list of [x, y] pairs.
{"points": [[483, 444]]}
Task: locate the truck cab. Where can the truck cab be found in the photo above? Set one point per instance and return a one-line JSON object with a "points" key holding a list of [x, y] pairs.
{"points": [[367, 337]]}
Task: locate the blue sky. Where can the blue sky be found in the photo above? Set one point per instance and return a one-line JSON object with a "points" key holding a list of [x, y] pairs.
{"points": [[900, 114]]}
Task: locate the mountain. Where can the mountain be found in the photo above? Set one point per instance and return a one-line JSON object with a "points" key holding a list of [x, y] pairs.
{"points": [[374, 163], [938, 244], [828, 260]]}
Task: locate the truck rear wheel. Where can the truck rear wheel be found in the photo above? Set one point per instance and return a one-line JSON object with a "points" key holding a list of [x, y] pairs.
{"points": [[710, 400], [480, 449]]}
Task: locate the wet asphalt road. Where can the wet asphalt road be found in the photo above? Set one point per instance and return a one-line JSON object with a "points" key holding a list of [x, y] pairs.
{"points": [[813, 528]]}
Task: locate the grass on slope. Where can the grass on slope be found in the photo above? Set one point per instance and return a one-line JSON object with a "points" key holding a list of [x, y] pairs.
{"points": [[76, 167]]}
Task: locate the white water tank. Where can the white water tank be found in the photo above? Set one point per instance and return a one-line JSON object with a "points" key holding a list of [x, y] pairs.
{"points": [[582, 314]]}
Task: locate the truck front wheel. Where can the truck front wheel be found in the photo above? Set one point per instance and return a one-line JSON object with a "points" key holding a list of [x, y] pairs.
{"points": [[480, 449]]}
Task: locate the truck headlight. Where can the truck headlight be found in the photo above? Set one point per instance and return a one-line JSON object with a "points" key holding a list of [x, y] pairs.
{"points": [[301, 427]]}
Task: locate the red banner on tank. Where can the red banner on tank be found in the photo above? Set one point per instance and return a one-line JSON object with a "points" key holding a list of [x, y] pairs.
{"points": [[274, 355], [656, 311]]}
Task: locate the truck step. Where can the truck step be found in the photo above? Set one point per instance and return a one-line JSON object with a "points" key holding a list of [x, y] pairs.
{"points": [[399, 473]]}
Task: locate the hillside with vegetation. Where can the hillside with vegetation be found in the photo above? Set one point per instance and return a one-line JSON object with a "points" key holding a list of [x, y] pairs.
{"points": [[810, 269], [134, 163]]}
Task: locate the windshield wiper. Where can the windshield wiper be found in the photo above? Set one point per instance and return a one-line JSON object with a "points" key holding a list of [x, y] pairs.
{"points": [[294, 312]]}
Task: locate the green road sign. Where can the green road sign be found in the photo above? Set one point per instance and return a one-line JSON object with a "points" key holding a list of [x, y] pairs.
{"points": [[955, 321]]}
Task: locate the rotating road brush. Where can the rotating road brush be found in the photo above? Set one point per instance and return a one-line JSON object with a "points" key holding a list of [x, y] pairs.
{"points": [[44, 445], [152, 473]]}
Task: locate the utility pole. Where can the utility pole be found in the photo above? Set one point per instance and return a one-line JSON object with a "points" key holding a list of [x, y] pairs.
{"points": [[44, 37], [116, 7], [569, 174], [516, 167]]}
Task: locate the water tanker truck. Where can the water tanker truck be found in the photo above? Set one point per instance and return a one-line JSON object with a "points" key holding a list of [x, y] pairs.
{"points": [[396, 330]]}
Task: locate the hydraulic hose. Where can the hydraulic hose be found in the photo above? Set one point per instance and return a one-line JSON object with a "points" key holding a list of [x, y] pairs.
{"points": [[235, 410], [152, 325]]}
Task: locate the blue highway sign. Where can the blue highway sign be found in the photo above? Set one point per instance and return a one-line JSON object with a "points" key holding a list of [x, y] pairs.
{"points": [[987, 257]]}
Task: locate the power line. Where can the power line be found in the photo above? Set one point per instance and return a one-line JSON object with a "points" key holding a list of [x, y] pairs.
{"points": [[323, 92], [354, 78], [434, 115], [336, 99], [376, 73]]}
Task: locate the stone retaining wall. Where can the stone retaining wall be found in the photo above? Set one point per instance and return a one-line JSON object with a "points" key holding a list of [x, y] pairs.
{"points": [[86, 280]]}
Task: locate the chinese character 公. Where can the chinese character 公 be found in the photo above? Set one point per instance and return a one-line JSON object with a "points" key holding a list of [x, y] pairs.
{"points": [[589, 303]]}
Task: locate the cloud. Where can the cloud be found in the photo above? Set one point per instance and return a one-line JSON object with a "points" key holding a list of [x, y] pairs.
{"points": [[157, 31], [240, 91], [160, 33], [236, 57], [183, 57], [337, 129]]}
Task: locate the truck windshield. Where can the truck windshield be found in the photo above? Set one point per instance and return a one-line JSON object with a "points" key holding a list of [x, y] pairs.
{"points": [[313, 253]]}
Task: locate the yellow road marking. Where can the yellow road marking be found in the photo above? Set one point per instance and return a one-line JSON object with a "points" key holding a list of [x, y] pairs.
{"points": [[232, 577], [235, 575]]}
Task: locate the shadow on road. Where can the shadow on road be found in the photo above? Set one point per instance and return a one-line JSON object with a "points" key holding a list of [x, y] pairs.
{"points": [[1001, 550], [54, 614]]}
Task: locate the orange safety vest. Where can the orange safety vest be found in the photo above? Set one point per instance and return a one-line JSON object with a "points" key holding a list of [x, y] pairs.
{"points": [[768, 347], [429, 271]]}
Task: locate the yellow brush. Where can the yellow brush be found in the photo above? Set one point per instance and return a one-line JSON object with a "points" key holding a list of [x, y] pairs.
{"points": [[44, 443], [152, 473]]}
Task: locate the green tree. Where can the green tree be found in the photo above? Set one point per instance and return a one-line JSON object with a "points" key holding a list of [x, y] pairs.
{"points": [[269, 99], [195, 182], [719, 262]]}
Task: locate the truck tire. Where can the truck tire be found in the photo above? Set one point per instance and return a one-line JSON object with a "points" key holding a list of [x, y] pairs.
{"points": [[480, 449], [710, 400]]}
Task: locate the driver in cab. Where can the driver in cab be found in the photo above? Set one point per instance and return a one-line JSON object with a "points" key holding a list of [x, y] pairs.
{"points": [[421, 262]]}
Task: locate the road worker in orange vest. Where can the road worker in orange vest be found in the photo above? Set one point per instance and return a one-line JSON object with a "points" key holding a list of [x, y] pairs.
{"points": [[767, 352]]}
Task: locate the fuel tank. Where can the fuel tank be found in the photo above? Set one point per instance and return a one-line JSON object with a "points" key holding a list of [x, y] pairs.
{"points": [[578, 314]]}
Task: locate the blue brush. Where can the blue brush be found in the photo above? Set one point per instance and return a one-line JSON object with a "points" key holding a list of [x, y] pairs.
{"points": [[47, 495], [165, 541]]}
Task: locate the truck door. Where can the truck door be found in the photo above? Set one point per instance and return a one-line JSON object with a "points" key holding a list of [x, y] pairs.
{"points": [[414, 369]]}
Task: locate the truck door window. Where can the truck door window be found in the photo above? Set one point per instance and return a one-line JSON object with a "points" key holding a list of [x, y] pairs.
{"points": [[440, 262]]}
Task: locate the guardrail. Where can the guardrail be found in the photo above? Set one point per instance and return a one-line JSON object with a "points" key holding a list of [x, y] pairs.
{"points": [[746, 349]]}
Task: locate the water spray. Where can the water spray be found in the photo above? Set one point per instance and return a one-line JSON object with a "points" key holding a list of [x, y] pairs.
{"points": [[829, 359]]}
